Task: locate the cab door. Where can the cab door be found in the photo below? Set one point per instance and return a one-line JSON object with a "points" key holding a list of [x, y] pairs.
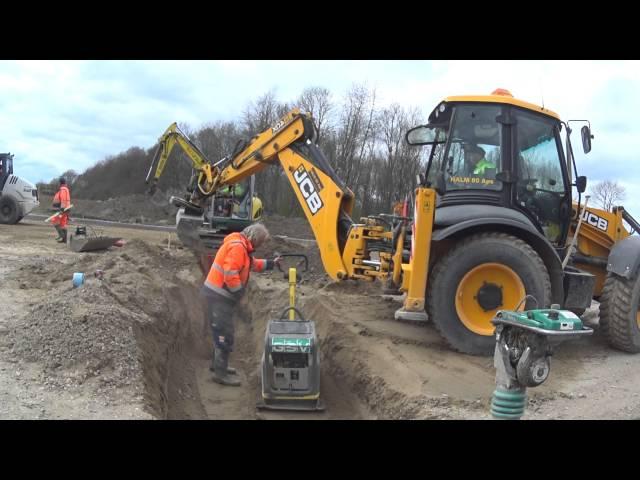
{"points": [[541, 187]]}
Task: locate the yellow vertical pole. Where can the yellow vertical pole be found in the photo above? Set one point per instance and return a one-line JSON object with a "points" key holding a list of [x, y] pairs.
{"points": [[292, 292], [425, 209], [416, 271]]}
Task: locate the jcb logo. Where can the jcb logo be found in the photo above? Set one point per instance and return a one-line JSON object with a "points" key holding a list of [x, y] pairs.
{"points": [[595, 221], [278, 126], [308, 189]]}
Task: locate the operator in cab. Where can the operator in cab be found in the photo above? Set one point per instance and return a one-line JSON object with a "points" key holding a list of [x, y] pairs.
{"points": [[475, 162], [223, 288]]}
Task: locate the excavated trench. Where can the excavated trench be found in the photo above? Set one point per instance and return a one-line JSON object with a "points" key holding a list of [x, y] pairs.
{"points": [[175, 356], [137, 338], [146, 327], [371, 367]]}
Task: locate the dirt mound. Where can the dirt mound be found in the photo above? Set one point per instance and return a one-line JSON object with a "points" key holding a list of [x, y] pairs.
{"points": [[150, 209], [117, 331], [297, 227], [136, 208], [79, 335]]}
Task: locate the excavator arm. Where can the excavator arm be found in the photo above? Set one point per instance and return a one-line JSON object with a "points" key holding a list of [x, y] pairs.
{"points": [[326, 201], [169, 139]]}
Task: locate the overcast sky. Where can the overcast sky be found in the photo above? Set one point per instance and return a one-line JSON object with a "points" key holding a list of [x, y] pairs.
{"points": [[57, 115]]}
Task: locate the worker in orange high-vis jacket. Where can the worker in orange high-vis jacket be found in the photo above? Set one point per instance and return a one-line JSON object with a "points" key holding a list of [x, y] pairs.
{"points": [[61, 200], [223, 288]]}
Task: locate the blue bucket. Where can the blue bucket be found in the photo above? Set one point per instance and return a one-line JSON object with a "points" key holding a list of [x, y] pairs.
{"points": [[78, 279]]}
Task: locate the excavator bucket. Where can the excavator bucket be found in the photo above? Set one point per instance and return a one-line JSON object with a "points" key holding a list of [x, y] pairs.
{"points": [[81, 242], [84, 244]]}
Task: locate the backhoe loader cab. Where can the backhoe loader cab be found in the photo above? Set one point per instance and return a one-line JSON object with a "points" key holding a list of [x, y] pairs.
{"points": [[498, 151], [503, 214]]}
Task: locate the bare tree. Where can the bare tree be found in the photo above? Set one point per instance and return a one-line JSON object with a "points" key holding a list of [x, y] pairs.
{"points": [[608, 193], [396, 163], [260, 114], [354, 133], [257, 117], [317, 101]]}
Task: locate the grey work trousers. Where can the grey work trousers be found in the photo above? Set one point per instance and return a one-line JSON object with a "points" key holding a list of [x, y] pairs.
{"points": [[220, 315]]}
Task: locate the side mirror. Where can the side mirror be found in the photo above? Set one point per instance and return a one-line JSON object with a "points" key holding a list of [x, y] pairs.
{"points": [[420, 135], [581, 183], [426, 134], [586, 139]]}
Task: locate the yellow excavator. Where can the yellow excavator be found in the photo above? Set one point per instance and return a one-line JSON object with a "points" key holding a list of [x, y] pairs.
{"points": [[212, 213], [493, 220]]}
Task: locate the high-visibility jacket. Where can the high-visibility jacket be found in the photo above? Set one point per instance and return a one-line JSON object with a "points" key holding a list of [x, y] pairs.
{"points": [[63, 197], [482, 165], [229, 273]]}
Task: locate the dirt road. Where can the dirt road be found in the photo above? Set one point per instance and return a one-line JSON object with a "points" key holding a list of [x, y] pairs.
{"points": [[135, 344]]}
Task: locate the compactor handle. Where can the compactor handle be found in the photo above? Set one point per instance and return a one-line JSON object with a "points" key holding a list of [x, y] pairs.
{"points": [[284, 313]]}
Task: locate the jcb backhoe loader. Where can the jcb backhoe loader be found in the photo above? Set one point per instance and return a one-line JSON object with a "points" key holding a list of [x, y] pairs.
{"points": [[483, 234]]}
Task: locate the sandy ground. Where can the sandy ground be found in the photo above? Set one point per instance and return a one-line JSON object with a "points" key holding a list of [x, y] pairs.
{"points": [[135, 345]]}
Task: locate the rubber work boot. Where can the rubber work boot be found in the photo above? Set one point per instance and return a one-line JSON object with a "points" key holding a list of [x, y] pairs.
{"points": [[63, 238], [220, 375], [212, 367], [59, 230]]}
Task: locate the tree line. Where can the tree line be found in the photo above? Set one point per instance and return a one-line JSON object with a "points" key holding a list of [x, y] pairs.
{"points": [[362, 140]]}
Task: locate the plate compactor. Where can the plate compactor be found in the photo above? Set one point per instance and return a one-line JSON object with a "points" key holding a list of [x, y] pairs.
{"points": [[291, 358]]}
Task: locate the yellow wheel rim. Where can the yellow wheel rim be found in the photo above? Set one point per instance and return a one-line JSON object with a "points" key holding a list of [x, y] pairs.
{"points": [[487, 277]]}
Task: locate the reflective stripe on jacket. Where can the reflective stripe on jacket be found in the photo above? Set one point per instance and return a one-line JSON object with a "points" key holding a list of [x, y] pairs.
{"points": [[63, 197], [229, 273]]}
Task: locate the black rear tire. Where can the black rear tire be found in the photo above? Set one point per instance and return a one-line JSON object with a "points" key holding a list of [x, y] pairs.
{"points": [[8, 210], [619, 310], [469, 253]]}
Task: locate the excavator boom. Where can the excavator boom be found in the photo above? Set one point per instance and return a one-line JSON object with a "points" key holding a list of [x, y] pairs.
{"points": [[169, 139]]}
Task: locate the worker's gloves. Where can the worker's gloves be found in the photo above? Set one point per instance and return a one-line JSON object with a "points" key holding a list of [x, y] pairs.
{"points": [[272, 263], [56, 205]]}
